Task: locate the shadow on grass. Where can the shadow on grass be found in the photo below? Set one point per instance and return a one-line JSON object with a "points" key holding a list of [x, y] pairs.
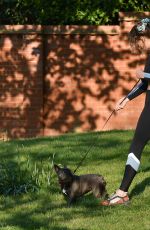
{"points": [[139, 188], [49, 210], [69, 149], [32, 213]]}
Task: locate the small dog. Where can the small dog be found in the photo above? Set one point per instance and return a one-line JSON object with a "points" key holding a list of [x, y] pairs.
{"points": [[74, 186]]}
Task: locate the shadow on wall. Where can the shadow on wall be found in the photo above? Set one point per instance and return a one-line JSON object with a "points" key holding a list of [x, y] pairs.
{"points": [[61, 79], [84, 76], [21, 97]]}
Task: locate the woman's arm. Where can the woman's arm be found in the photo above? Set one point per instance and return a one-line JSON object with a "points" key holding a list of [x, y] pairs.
{"points": [[139, 89], [146, 73], [142, 75], [146, 76], [136, 91]]}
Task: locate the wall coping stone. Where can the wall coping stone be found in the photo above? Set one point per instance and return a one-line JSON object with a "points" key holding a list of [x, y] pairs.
{"points": [[60, 29], [73, 29]]}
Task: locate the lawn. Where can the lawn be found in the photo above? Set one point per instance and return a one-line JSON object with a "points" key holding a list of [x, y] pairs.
{"points": [[26, 166]]}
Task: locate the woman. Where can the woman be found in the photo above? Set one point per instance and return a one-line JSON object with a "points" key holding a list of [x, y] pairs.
{"points": [[139, 38]]}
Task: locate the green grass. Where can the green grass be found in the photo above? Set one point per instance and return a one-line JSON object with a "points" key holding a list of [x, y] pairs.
{"points": [[47, 209]]}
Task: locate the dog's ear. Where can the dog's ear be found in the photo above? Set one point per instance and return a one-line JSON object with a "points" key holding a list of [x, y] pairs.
{"points": [[56, 167]]}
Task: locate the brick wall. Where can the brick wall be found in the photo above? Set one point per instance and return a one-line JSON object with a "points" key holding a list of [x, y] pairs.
{"points": [[58, 79], [21, 81]]}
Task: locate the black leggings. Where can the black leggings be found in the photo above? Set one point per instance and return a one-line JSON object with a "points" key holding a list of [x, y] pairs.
{"points": [[141, 137]]}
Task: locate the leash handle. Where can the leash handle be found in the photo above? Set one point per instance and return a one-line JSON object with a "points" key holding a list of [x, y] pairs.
{"points": [[80, 163]]}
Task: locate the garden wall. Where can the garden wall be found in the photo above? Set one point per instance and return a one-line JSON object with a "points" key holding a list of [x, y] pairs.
{"points": [[58, 79]]}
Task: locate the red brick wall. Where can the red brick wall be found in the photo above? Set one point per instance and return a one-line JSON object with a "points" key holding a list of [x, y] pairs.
{"points": [[58, 79], [21, 81]]}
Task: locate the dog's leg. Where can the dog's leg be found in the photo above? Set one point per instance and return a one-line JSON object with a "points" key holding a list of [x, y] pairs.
{"points": [[70, 201], [71, 198], [96, 191], [102, 189], [99, 190]]}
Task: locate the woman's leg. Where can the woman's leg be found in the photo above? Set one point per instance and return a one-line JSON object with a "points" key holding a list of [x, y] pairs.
{"points": [[141, 137], [132, 165], [133, 161]]}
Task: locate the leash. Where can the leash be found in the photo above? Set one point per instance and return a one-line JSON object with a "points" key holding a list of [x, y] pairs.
{"points": [[80, 163]]}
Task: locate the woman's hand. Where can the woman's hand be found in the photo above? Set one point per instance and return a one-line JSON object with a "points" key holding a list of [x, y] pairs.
{"points": [[140, 74], [121, 104]]}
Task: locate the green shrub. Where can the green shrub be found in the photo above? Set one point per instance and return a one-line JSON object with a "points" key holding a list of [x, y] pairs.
{"points": [[64, 12], [23, 177]]}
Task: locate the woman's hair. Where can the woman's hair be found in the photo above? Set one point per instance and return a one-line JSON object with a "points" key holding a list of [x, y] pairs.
{"points": [[137, 34]]}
